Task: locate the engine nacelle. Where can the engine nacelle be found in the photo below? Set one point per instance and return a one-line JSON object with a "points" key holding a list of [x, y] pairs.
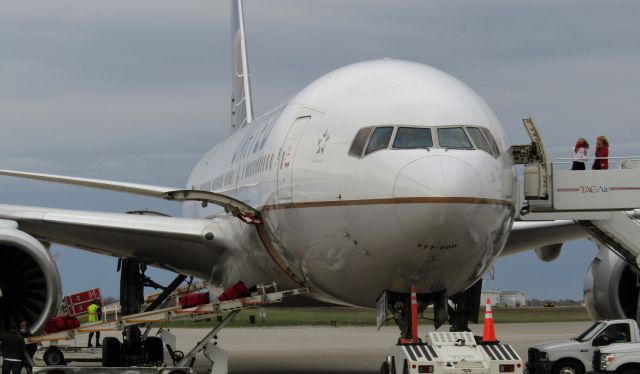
{"points": [[610, 287], [549, 253], [30, 287]]}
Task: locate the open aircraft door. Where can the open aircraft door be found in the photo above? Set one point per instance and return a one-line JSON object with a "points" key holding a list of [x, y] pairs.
{"points": [[285, 170]]}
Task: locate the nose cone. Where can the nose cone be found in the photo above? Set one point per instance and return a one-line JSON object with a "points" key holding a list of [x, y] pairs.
{"points": [[426, 185]]}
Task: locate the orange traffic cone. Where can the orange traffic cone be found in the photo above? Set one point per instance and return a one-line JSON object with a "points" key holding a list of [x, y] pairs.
{"points": [[414, 319], [414, 315], [489, 330]]}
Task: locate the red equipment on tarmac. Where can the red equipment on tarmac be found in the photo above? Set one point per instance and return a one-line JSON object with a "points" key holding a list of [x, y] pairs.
{"points": [[192, 299], [79, 302], [236, 291], [62, 323]]}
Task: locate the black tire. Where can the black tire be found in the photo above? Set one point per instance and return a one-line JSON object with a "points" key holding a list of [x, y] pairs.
{"points": [[405, 368], [567, 367], [111, 352], [384, 369], [153, 350], [178, 355], [630, 371], [54, 357]]}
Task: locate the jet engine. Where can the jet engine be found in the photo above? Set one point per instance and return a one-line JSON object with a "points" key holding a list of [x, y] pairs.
{"points": [[30, 286], [549, 253], [610, 287]]}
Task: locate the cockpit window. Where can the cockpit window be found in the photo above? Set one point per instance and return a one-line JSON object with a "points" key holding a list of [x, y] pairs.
{"points": [[413, 137], [379, 139], [466, 137], [492, 142], [360, 141], [453, 137], [478, 139]]}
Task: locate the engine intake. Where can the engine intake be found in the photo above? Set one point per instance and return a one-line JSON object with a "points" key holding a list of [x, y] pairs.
{"points": [[610, 287], [30, 287]]}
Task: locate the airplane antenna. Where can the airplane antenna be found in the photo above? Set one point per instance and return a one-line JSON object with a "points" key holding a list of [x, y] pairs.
{"points": [[490, 276], [241, 104]]}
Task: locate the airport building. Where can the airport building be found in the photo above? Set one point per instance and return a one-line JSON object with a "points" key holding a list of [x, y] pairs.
{"points": [[511, 299]]}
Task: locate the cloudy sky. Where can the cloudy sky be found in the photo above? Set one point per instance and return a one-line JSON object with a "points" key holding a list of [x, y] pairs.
{"points": [[138, 90]]}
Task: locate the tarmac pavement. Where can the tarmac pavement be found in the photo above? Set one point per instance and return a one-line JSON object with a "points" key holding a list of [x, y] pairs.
{"points": [[336, 350], [324, 350]]}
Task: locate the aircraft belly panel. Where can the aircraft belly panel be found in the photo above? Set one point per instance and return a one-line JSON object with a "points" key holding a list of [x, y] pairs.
{"points": [[353, 252]]}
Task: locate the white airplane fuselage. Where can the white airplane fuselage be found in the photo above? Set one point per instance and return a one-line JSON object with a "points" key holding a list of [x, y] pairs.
{"points": [[350, 227]]}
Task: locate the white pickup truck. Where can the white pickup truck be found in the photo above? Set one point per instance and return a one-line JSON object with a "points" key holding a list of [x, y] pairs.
{"points": [[576, 356], [618, 359]]}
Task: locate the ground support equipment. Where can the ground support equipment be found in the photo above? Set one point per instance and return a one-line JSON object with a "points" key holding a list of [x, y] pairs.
{"points": [[452, 352], [266, 294]]}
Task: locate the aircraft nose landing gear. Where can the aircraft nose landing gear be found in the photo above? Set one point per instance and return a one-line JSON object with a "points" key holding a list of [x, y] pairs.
{"points": [[405, 308]]}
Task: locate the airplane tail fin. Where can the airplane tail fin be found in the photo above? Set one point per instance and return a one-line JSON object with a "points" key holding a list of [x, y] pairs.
{"points": [[241, 105]]}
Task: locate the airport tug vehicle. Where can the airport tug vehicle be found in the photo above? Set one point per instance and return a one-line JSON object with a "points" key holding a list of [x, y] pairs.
{"points": [[451, 352]]}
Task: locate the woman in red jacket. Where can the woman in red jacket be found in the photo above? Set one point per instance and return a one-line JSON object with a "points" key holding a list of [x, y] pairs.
{"points": [[602, 150]]}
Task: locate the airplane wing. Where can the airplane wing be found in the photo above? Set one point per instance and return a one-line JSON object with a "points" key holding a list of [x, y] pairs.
{"points": [[197, 247], [140, 189], [526, 236], [231, 205], [153, 239]]}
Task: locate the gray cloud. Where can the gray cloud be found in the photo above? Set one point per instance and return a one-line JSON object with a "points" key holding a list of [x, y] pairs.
{"points": [[138, 90]]}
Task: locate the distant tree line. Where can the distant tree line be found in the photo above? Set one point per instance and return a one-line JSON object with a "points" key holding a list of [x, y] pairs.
{"points": [[562, 302]]}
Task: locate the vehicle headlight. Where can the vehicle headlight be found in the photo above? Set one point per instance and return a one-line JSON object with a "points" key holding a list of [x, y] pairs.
{"points": [[606, 360], [544, 356]]}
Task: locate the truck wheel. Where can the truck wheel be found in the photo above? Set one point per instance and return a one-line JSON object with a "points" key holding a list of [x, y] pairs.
{"points": [[630, 371], [567, 367], [384, 369], [54, 357], [111, 353], [153, 350]]}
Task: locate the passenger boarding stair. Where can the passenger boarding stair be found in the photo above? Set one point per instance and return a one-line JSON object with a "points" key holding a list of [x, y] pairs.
{"points": [[604, 202], [620, 233]]}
